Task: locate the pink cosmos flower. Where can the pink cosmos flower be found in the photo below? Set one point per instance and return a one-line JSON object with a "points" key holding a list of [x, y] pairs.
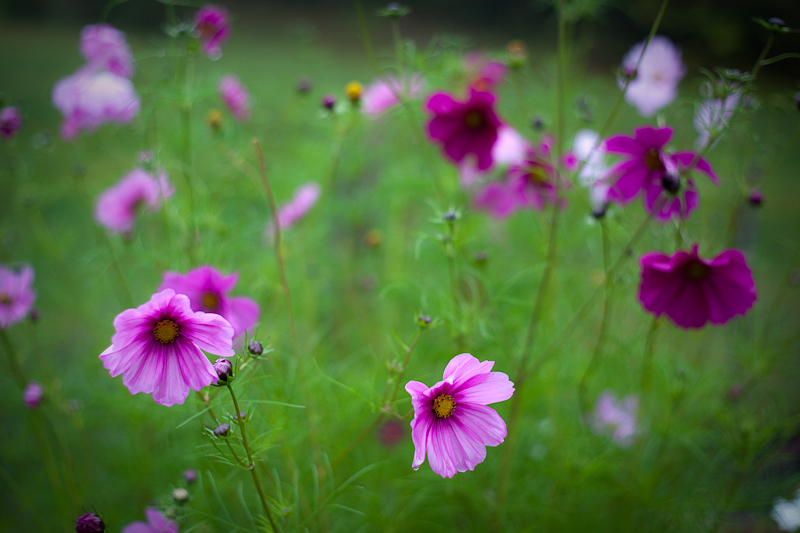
{"points": [[692, 290], [304, 199], [235, 96], [10, 122], [116, 206], [650, 169], [90, 98], [16, 295], [656, 83], [386, 92], [482, 74], [157, 346], [33, 394], [511, 148], [712, 116], [468, 128], [207, 289], [452, 423], [618, 418], [211, 23], [105, 48], [156, 523]]}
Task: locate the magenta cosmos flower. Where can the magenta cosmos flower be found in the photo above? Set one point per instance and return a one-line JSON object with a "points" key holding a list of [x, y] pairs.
{"points": [[156, 523], [116, 207], [211, 23], [157, 346], [616, 417], [90, 98], [386, 92], [452, 423], [464, 128], [207, 289], [10, 121], [303, 200], [655, 84], [692, 290], [235, 96], [649, 169], [105, 48], [16, 295]]}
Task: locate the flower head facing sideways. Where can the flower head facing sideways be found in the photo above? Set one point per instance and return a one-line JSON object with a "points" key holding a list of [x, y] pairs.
{"points": [[452, 424], [156, 523], [207, 289], [482, 74], [16, 294], [211, 24], [387, 91], [116, 207], [616, 418], [463, 129], [157, 348], [105, 48], [235, 96], [693, 291], [655, 84], [648, 168]]}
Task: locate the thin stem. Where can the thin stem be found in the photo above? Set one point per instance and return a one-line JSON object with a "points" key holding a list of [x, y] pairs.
{"points": [[647, 361], [235, 456], [186, 151], [16, 369], [362, 22], [250, 464], [405, 366]]}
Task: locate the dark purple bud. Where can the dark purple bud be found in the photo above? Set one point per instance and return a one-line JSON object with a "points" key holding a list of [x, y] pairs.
{"points": [[190, 475], [10, 122], [328, 102], [255, 348], [33, 394], [756, 198], [240, 416], [180, 496], [538, 124], [775, 21], [304, 85], [34, 315], [222, 430], [90, 523], [449, 216], [224, 369], [670, 183]]}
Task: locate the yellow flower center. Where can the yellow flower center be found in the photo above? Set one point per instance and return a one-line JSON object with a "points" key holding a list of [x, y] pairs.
{"points": [[166, 331], [697, 271], [652, 160], [210, 301], [5, 299], [444, 405], [473, 120]]}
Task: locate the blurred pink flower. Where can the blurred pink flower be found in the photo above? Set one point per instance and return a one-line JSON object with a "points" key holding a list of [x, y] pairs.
{"points": [[655, 84], [235, 96], [387, 91], [116, 206], [156, 523], [619, 418], [392, 433], [211, 23], [33, 394], [10, 121], [207, 289], [90, 98], [452, 424], [157, 348], [497, 199], [304, 199], [692, 290], [16, 294], [105, 48], [465, 128], [482, 74]]}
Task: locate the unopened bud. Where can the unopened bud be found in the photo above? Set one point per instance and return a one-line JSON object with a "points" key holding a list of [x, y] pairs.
{"points": [[304, 85], [180, 496], [537, 124], [255, 347], [33, 394], [222, 430], [190, 475], [240, 416], [90, 523], [34, 315], [670, 183], [328, 102], [353, 91], [599, 211], [424, 321], [756, 198], [224, 370], [775, 21]]}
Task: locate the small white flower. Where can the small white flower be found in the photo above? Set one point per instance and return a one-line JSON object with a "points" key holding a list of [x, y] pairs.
{"points": [[588, 147], [656, 83], [787, 513]]}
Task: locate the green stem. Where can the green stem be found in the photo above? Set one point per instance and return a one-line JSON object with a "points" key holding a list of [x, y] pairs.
{"points": [[250, 464], [362, 22], [405, 366], [16, 369], [186, 153], [647, 360]]}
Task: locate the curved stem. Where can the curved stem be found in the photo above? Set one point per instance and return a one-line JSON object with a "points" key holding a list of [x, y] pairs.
{"points": [[250, 464]]}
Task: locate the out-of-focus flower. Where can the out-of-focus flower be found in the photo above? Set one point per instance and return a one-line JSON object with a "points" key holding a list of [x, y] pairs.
{"points": [[105, 48], [181, 495], [90, 523], [452, 421], [482, 74], [712, 115], [10, 121], [33, 394], [157, 348], [391, 433], [207, 289], [16, 294], [787, 513], [211, 24], [328, 102], [692, 290], [511, 148], [353, 90], [618, 418], [255, 347], [156, 523], [304, 85], [465, 128], [655, 83], [214, 119], [116, 206], [649, 169], [90, 98], [235, 96], [517, 52], [304, 199], [756, 198], [387, 92], [190, 475], [591, 153]]}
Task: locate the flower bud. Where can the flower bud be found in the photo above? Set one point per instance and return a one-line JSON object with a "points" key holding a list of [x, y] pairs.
{"points": [[10, 122], [304, 85], [424, 321], [224, 370], [481, 257], [537, 124], [353, 91], [670, 183], [34, 315], [775, 21], [90, 523], [189, 475], [222, 430], [450, 215], [180, 496], [214, 119], [255, 347], [328, 102], [33, 394], [599, 211], [756, 198]]}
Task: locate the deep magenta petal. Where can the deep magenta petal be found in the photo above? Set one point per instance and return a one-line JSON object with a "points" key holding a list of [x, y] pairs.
{"points": [[650, 137]]}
